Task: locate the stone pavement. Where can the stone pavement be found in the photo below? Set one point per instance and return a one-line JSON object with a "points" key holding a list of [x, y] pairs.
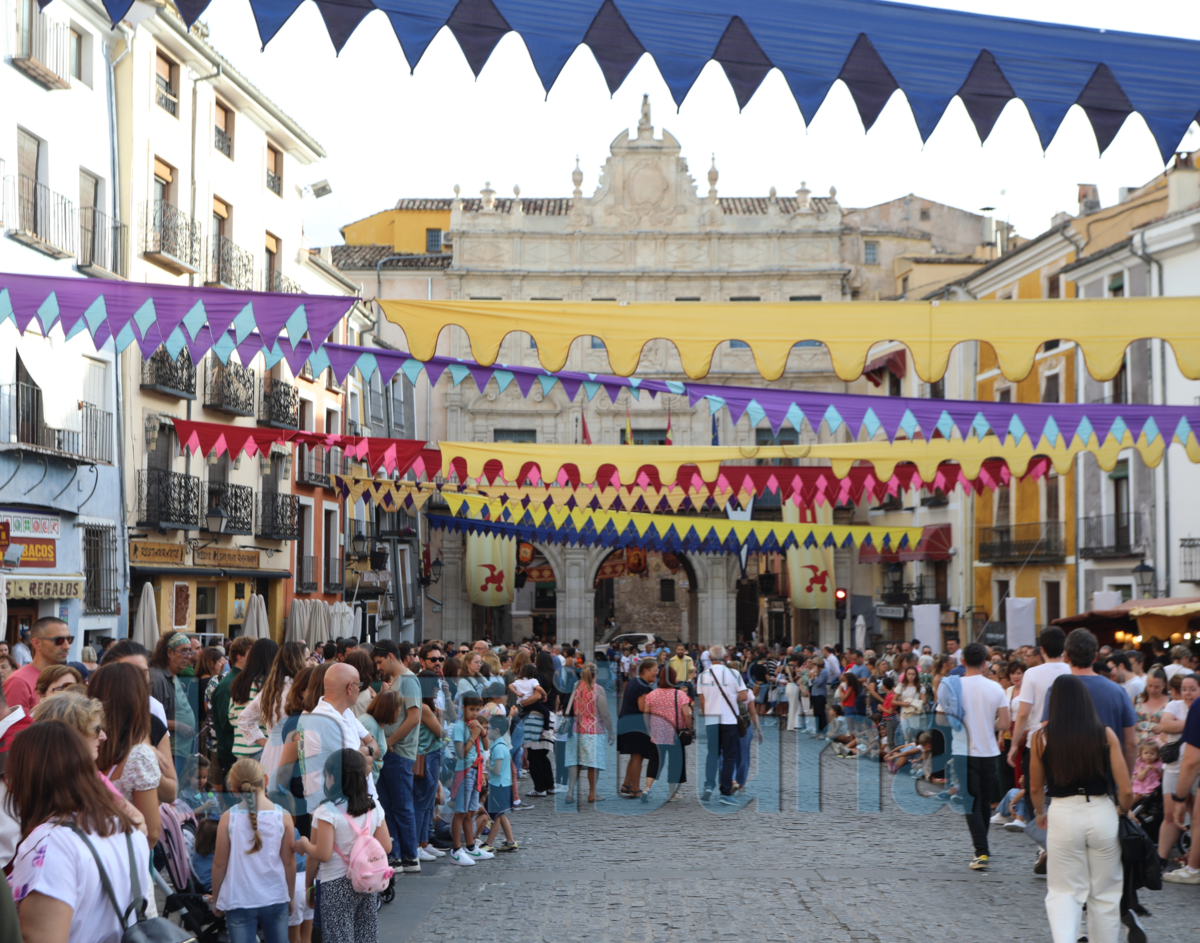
{"points": [[624, 871]]}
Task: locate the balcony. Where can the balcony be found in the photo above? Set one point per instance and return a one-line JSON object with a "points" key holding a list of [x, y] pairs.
{"points": [[22, 422], [278, 516], [279, 406], [1040, 542], [168, 500], [43, 47], [275, 183], [230, 266], [314, 468], [161, 374], [229, 387], [103, 245], [237, 501], [39, 218], [166, 98], [1189, 559], [1106, 536], [398, 524], [306, 577], [223, 141], [275, 280], [921, 593], [171, 238], [335, 580]]}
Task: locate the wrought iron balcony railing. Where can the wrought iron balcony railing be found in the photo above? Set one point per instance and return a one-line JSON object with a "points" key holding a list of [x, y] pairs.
{"points": [[43, 49], [161, 374], [1039, 542], [335, 580], [1114, 535], [278, 516], [229, 387], [237, 501], [38, 217], [166, 98], [306, 576], [275, 280], [230, 266], [313, 468], [103, 244], [922, 592], [222, 141], [23, 421], [279, 406], [275, 183], [171, 238], [168, 500]]}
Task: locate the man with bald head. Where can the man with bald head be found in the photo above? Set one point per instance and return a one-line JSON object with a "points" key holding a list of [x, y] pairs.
{"points": [[330, 727]]}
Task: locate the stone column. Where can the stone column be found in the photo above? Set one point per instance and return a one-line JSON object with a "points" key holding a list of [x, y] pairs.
{"points": [[456, 607], [717, 598], [574, 612]]}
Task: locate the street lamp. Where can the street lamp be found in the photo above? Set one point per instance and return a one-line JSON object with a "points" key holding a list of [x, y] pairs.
{"points": [[435, 573], [216, 519], [358, 543], [1143, 573]]}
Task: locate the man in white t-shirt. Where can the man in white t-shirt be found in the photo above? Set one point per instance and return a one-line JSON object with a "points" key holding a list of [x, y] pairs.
{"points": [[719, 691], [975, 707], [832, 663], [1122, 673], [330, 727], [954, 651]]}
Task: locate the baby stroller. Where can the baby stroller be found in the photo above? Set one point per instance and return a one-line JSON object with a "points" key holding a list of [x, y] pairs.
{"points": [[187, 896], [1148, 810]]}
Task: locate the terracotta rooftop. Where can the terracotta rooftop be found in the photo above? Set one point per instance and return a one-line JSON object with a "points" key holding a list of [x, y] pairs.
{"points": [[367, 257]]}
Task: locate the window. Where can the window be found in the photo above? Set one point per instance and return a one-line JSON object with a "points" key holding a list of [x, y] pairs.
{"points": [[433, 240], [274, 170], [646, 437], [29, 164], [76, 55], [745, 298], [937, 390], [924, 213], [271, 252], [1053, 287], [1001, 595], [100, 569], [666, 590], [1053, 600], [223, 132], [514, 435], [1116, 285], [738, 345], [904, 285], [597, 344], [786, 436], [1050, 345], [1120, 480], [1003, 506], [870, 253], [165, 74], [1053, 508], [1120, 386], [688, 299], [804, 297], [164, 182], [894, 385], [220, 218], [206, 610], [1004, 395], [532, 343], [1050, 388]]}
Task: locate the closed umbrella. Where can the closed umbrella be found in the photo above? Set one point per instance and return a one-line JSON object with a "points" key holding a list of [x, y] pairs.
{"points": [[145, 626], [319, 623], [860, 633], [298, 621], [255, 625], [341, 620]]}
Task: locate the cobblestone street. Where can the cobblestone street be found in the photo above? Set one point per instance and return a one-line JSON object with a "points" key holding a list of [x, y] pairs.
{"points": [[624, 871]]}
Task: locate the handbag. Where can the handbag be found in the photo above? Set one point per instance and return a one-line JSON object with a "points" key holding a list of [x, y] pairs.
{"points": [[685, 735], [145, 929], [743, 720], [1169, 752], [419, 766]]}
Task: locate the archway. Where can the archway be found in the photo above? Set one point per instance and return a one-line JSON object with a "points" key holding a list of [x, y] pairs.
{"points": [[534, 611], [645, 591]]}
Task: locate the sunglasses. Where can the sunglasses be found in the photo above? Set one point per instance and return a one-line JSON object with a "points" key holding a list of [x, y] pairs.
{"points": [[442, 658], [57, 639]]}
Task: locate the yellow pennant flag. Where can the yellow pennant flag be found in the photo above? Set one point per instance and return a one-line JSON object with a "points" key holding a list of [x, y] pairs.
{"points": [[491, 567], [811, 574]]}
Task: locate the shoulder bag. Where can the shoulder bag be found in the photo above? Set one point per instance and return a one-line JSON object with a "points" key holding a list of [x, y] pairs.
{"points": [[144, 929], [743, 721], [685, 734], [1169, 752]]}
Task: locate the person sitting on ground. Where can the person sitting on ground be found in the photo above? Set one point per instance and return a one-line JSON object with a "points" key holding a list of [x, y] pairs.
{"points": [[837, 732], [1008, 812]]}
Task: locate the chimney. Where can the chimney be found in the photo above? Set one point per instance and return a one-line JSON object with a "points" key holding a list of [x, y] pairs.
{"points": [[1183, 184], [1089, 199], [987, 235]]}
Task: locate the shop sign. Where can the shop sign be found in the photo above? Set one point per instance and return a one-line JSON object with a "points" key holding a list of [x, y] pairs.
{"points": [[890, 612], [220, 556], [55, 587], [146, 553], [950, 618], [39, 553], [24, 523]]}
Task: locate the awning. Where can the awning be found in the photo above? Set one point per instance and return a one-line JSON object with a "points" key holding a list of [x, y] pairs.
{"points": [[209, 573], [896, 362], [869, 553], [54, 586], [932, 55], [1125, 611], [935, 545]]}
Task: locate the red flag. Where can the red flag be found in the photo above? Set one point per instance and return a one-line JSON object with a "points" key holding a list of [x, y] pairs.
{"points": [[669, 442], [587, 436]]}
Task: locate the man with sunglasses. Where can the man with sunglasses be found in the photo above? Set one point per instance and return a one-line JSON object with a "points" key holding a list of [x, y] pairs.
{"points": [[50, 640]]}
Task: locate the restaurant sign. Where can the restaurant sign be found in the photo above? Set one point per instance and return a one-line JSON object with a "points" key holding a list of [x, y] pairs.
{"points": [[146, 553], [54, 587], [219, 556]]}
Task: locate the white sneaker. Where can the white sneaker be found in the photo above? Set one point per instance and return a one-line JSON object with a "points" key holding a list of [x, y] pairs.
{"points": [[460, 856], [424, 855], [1184, 875], [1016, 825], [432, 850], [999, 819], [478, 854]]}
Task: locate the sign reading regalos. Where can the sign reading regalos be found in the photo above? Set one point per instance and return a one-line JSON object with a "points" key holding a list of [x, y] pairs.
{"points": [[54, 587]]}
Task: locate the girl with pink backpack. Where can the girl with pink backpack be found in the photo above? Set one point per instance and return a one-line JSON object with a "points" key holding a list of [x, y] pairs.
{"points": [[351, 846]]}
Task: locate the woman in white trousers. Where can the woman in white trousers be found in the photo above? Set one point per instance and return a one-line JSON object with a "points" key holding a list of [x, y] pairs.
{"points": [[1076, 766]]}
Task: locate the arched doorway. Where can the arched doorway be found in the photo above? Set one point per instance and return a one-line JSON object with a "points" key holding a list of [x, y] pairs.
{"points": [[646, 591], [534, 611]]}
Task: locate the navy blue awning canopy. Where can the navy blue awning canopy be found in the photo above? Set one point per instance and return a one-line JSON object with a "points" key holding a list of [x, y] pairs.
{"points": [[875, 47]]}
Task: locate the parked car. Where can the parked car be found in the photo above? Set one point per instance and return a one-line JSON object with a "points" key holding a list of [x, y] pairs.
{"points": [[638, 639]]}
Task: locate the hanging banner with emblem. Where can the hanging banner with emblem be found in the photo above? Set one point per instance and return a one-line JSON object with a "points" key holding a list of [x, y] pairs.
{"points": [[491, 564], [811, 574]]}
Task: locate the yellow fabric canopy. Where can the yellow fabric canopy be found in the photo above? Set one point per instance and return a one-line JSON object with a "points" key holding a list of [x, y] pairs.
{"points": [[1183, 609], [1102, 327], [883, 455]]}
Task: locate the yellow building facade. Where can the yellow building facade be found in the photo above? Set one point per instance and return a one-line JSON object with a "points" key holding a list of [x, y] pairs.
{"points": [[412, 226]]}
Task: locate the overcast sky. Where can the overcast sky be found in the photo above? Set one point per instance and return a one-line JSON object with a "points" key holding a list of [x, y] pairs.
{"points": [[390, 133]]}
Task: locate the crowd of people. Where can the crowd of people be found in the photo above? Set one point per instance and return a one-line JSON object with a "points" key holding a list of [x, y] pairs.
{"points": [[295, 785]]}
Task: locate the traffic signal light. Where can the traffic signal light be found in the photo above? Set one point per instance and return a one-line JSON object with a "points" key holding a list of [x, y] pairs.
{"points": [[839, 602]]}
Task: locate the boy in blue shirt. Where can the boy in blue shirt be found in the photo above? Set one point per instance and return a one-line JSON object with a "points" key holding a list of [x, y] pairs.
{"points": [[500, 782], [469, 738]]}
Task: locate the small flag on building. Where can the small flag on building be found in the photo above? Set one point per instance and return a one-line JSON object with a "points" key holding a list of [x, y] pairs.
{"points": [[669, 442], [587, 436]]}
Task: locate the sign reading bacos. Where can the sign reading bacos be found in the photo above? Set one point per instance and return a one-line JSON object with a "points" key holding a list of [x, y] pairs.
{"points": [[220, 556], [147, 553]]}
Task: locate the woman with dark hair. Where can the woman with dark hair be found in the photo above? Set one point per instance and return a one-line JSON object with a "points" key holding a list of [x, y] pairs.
{"points": [[126, 755], [209, 666], [287, 785], [539, 736], [66, 814], [258, 721], [242, 691], [428, 766], [55, 678], [1077, 762], [632, 738], [1150, 705]]}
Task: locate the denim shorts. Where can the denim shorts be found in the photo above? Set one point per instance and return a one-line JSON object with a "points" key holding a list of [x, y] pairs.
{"points": [[466, 797]]}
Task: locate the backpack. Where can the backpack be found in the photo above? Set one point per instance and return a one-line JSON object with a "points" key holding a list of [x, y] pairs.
{"points": [[950, 694], [367, 863]]}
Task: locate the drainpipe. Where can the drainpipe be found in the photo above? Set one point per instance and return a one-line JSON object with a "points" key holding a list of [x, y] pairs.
{"points": [[1146, 257], [195, 87]]}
